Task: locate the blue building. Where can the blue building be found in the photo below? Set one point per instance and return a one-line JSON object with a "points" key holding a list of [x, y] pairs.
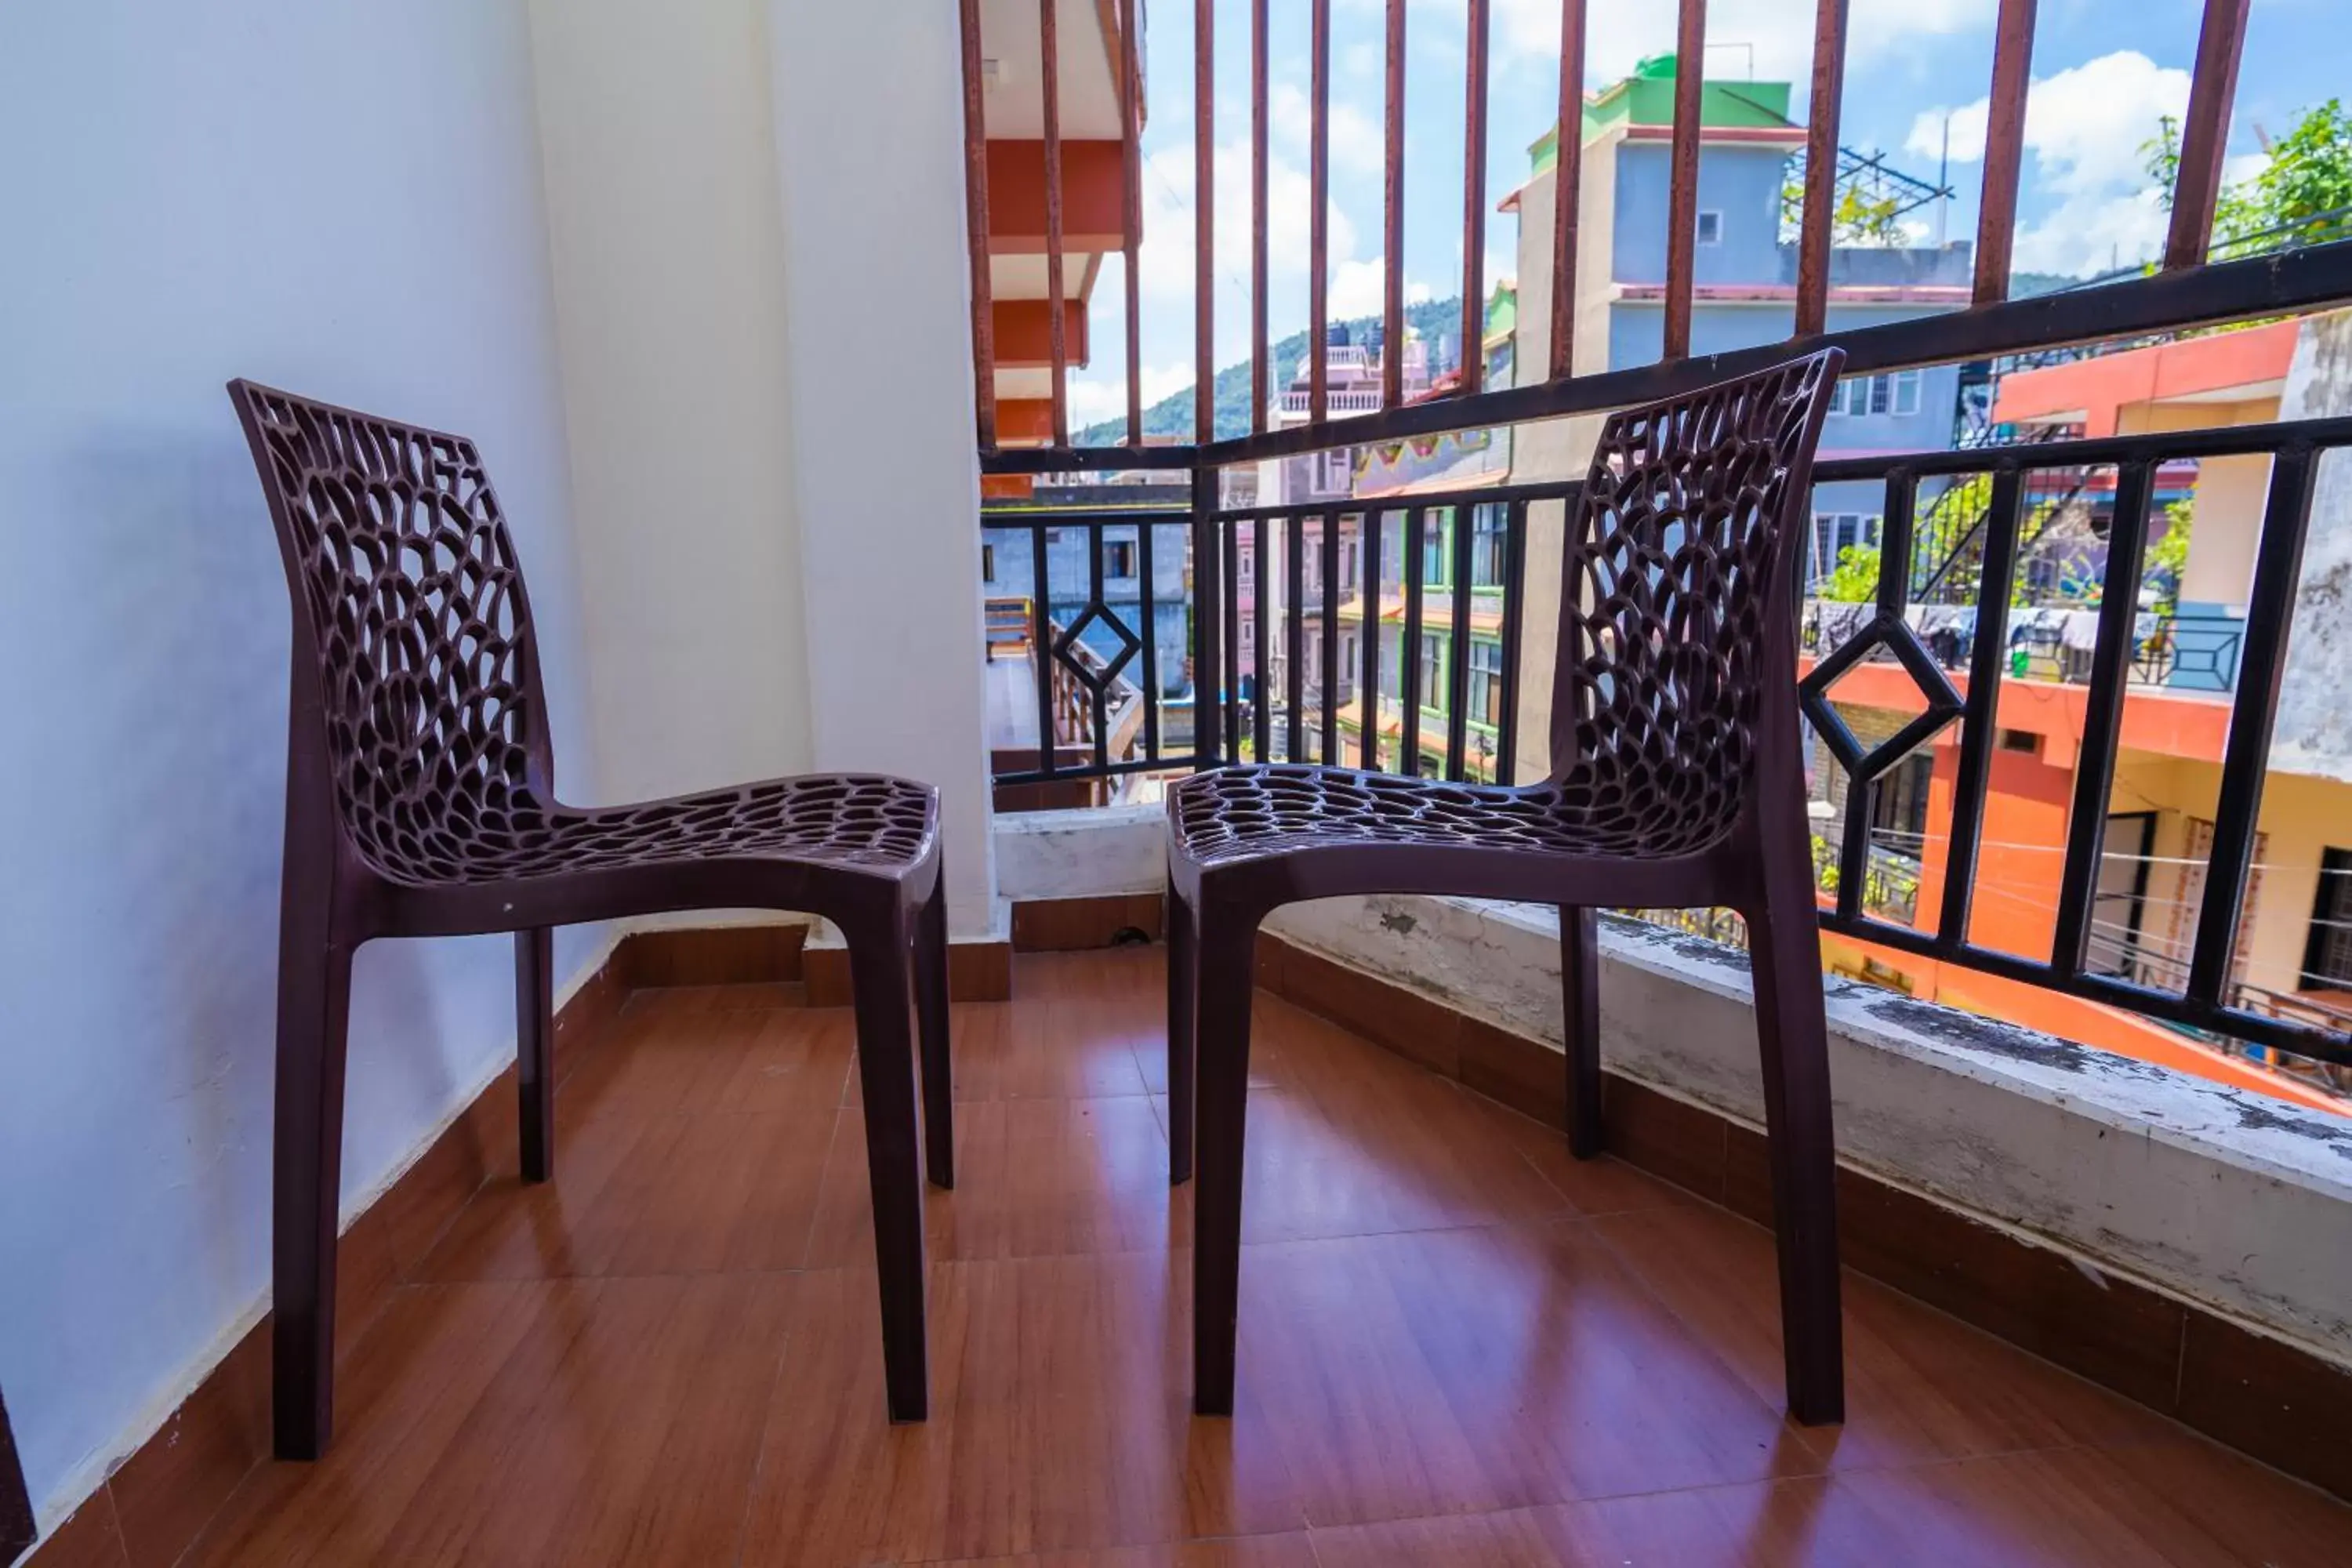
{"points": [[1744, 277], [1009, 572]]}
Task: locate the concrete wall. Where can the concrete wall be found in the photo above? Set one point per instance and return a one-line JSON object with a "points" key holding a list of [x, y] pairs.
{"points": [[885, 481], [307, 193], [666, 246], [2313, 732], [1741, 182]]}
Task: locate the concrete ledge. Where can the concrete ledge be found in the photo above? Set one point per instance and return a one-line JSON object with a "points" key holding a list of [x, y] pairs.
{"points": [[1083, 853]]}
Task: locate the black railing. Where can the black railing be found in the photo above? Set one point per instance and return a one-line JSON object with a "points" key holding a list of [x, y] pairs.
{"points": [[2117, 657]]}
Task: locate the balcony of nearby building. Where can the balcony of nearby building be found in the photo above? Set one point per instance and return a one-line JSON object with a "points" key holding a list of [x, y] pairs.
{"points": [[767, 320]]}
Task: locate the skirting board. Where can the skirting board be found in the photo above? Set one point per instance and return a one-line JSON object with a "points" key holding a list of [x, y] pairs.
{"points": [[2274, 1401]]}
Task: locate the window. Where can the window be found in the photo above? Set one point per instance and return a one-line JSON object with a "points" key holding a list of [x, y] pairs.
{"points": [[1432, 670], [1332, 473], [1898, 806], [1249, 634], [988, 564], [1486, 547], [1895, 393], [1834, 532], [2327, 955], [1118, 558], [1347, 561], [1710, 227], [1486, 681], [1246, 564], [1347, 664], [2024, 741], [1434, 556]]}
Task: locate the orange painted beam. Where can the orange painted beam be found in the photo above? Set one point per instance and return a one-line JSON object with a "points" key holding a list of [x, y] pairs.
{"points": [[1024, 419], [1024, 333], [1094, 197], [1006, 487]]}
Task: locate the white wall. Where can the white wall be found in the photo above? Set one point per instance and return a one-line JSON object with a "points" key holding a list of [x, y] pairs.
{"points": [[331, 199], [869, 128], [668, 255]]}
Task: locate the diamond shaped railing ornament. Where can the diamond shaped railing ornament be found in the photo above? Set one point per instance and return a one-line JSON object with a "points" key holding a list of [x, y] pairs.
{"points": [[1891, 632], [1096, 679]]}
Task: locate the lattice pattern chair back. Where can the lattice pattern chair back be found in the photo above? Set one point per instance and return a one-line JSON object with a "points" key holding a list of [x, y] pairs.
{"points": [[1664, 649], [418, 627]]}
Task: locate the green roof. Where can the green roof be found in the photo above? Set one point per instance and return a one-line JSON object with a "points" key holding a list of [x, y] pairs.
{"points": [[1647, 97]]}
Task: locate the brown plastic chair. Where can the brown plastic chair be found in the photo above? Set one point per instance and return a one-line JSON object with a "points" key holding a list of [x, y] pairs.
{"points": [[420, 801], [1676, 780]]}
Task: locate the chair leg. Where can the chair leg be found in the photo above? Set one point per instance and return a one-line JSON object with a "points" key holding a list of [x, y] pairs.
{"points": [[535, 1049], [1785, 955], [931, 1005], [1580, 984], [886, 1065], [1223, 949], [314, 984], [1183, 991]]}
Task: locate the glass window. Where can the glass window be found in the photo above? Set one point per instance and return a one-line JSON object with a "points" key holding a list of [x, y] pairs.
{"points": [[1907, 391], [1118, 558], [2328, 955], [1432, 671], [1435, 558], [1487, 546], [1710, 229], [1486, 681]]}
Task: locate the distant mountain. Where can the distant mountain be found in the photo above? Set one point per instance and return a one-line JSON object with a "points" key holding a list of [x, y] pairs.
{"points": [[1172, 415]]}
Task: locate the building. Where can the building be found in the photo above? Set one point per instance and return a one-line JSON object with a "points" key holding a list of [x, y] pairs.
{"points": [[1744, 293]]}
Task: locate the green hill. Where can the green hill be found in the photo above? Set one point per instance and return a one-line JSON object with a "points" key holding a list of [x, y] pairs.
{"points": [[1172, 415]]}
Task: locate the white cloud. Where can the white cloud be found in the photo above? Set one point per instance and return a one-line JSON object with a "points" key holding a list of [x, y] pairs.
{"points": [[1356, 290], [1096, 397], [1166, 254], [1356, 140], [2086, 127]]}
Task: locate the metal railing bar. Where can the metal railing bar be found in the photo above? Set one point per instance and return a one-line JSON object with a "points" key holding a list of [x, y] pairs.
{"points": [[1393, 217], [1294, 625], [1149, 632], [1261, 578], [1457, 684], [1682, 191], [1050, 94], [975, 180], [2004, 516], [2245, 755], [1474, 201], [1515, 573], [2094, 765], [1318, 217], [1207, 679], [1131, 174], [1204, 225], [1095, 688], [1374, 538], [1539, 490], [2012, 67], [1329, 754], [1409, 648], [1567, 169], [2205, 132], [1259, 370], [1822, 111], [1042, 641]]}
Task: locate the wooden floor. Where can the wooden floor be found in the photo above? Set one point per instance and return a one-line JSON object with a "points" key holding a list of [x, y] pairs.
{"points": [[1456, 1345]]}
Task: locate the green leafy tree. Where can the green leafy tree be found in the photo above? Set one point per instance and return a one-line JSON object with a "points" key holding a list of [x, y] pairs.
{"points": [[2168, 557], [1856, 579], [2302, 195]]}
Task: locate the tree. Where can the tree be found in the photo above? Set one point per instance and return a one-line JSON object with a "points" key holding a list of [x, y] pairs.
{"points": [[1856, 579], [2167, 555], [2302, 195]]}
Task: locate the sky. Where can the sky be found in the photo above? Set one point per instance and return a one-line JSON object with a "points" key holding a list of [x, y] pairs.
{"points": [[2103, 69]]}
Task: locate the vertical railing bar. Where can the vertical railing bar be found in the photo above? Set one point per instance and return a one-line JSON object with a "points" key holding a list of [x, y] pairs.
{"points": [[1899, 523], [1682, 199], [1050, 94], [1329, 753], [1259, 372], [1372, 531], [1515, 570], [1458, 675], [1294, 625], [1042, 639], [1149, 632], [1568, 170], [1204, 227], [1979, 723], [2205, 132], [975, 201], [2245, 755], [2095, 763], [1854, 850], [1319, 220], [2013, 68], [1409, 648], [1097, 689], [1261, 580], [1231, 697], [1473, 203], [1392, 220], [1131, 168], [1208, 679], [1819, 216]]}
